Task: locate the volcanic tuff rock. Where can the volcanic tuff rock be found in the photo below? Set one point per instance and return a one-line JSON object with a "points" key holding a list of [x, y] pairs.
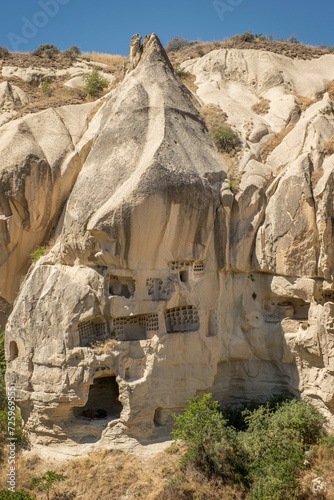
{"points": [[162, 283]]}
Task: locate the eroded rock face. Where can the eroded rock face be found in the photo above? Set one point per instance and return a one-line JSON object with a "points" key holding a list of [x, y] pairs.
{"points": [[163, 284]]}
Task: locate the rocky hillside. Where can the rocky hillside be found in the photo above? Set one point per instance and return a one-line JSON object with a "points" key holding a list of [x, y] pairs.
{"points": [[172, 268]]}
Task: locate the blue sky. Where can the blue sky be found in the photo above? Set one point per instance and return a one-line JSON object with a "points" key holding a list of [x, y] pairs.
{"points": [[107, 25]]}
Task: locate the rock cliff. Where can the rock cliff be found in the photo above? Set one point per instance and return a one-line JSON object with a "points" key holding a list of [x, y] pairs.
{"points": [[162, 283]]}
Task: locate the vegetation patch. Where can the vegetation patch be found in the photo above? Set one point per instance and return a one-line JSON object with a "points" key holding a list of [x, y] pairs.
{"points": [[226, 139], [274, 142], [213, 116], [329, 147], [262, 107], [181, 73], [94, 83], [37, 254], [264, 454]]}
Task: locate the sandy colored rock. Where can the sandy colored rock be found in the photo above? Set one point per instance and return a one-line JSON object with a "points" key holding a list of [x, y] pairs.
{"points": [[168, 278]]}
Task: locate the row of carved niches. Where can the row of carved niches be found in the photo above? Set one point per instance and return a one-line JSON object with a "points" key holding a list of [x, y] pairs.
{"points": [[187, 269], [276, 309], [324, 295]]}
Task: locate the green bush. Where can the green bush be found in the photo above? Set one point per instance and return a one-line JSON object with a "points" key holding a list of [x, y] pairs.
{"points": [[226, 139], [37, 254], [266, 456], [46, 50], [46, 87], [72, 52], [181, 73], [17, 495], [94, 83], [211, 445], [47, 482]]}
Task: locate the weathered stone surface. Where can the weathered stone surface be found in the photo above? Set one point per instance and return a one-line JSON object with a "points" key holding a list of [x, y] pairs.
{"points": [[40, 158], [166, 281]]}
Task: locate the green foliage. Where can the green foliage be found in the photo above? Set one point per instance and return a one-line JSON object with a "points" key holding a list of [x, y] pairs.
{"points": [[94, 83], [46, 482], [226, 139], [17, 495], [46, 50], [181, 73], [37, 254], [177, 43], [268, 452], [46, 87], [260, 37], [72, 52], [211, 445], [19, 435]]}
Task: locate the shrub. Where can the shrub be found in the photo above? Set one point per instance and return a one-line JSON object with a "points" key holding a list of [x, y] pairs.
{"points": [[17, 495], [47, 482], [72, 52], [3, 52], [94, 83], [248, 36], [226, 139], [293, 39], [262, 107], [37, 254], [177, 43], [211, 445], [46, 50], [181, 73], [46, 87]]}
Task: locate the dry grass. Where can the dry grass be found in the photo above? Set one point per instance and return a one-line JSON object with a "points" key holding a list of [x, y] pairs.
{"points": [[330, 89], [329, 147], [274, 142], [114, 62], [106, 346], [306, 101], [262, 107], [213, 116]]}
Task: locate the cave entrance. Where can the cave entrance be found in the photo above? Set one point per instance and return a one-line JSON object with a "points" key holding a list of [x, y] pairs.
{"points": [[102, 400]]}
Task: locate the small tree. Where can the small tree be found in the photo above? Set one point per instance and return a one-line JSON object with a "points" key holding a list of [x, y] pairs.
{"points": [[177, 43], [293, 39], [47, 482], [94, 83]]}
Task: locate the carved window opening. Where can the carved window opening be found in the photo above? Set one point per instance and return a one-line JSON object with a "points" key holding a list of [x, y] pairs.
{"points": [[13, 349], [120, 286], [102, 400], [276, 309], [182, 319], [94, 329], [135, 327]]}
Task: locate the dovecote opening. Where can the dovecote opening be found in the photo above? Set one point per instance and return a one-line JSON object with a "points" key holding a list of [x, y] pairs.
{"points": [[92, 330], [102, 400], [182, 319], [135, 327]]}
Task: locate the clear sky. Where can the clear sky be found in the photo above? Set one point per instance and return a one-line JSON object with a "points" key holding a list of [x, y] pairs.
{"points": [[107, 25]]}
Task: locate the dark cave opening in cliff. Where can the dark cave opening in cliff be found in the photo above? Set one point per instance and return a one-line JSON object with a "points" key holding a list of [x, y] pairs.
{"points": [[102, 400]]}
